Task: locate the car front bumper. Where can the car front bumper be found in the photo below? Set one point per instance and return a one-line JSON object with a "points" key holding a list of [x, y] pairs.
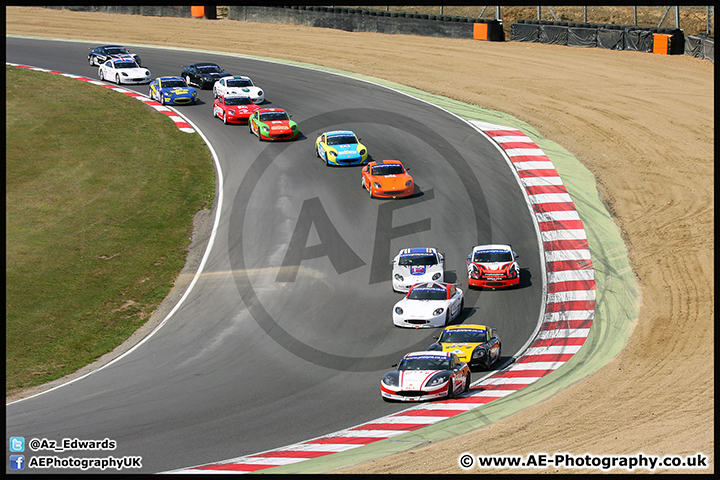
{"points": [[414, 395], [494, 283]]}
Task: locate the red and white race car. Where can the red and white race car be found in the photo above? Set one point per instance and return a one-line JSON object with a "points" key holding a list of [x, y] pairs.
{"points": [[493, 266], [426, 376], [233, 108]]}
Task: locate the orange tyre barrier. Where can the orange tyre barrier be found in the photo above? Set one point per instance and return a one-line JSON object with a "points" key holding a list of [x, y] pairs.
{"points": [[661, 43], [480, 31]]}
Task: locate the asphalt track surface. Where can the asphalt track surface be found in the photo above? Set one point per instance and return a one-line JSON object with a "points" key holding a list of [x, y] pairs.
{"points": [[273, 347]]}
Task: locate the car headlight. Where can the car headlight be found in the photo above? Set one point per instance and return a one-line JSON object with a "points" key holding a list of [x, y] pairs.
{"points": [[438, 311], [293, 128], [194, 94], [124, 74], [479, 353], [147, 73], [390, 380], [362, 151], [439, 379], [437, 276], [398, 310], [231, 111], [377, 185], [398, 277], [408, 183], [332, 153], [260, 93], [265, 128]]}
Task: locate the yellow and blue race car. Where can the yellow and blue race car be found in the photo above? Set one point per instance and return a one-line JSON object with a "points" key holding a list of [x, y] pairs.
{"points": [[476, 345], [172, 90], [340, 147]]}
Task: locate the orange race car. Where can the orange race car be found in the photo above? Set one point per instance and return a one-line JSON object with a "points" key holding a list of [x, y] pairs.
{"points": [[387, 179]]}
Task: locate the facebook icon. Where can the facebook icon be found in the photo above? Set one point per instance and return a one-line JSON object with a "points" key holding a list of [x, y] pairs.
{"points": [[17, 462]]}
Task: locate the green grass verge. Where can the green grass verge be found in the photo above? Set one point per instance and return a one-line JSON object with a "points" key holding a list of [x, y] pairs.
{"points": [[100, 194]]}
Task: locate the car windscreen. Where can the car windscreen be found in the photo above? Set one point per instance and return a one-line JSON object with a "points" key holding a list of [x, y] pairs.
{"points": [[268, 117], [126, 65], [173, 84], [209, 69], [418, 260], [237, 101], [427, 294], [492, 256], [239, 83], [425, 363], [387, 170], [464, 336], [341, 140], [115, 51]]}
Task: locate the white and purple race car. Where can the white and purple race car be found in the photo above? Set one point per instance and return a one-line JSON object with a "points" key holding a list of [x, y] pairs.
{"points": [[426, 376], [416, 265]]}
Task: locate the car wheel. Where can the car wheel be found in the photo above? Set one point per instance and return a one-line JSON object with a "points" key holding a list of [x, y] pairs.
{"points": [[91, 61], [187, 79], [451, 390], [369, 189], [117, 78], [447, 318], [100, 73], [467, 384], [225, 117], [462, 307]]}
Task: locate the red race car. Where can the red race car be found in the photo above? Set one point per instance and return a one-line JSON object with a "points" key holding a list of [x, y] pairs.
{"points": [[234, 108], [387, 179]]}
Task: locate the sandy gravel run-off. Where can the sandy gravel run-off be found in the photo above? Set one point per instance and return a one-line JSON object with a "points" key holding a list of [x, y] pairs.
{"points": [[642, 123]]}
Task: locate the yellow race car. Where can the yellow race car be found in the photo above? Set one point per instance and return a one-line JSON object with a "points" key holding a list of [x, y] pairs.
{"points": [[476, 345]]}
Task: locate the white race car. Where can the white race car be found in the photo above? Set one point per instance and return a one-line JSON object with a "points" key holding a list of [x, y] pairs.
{"points": [[415, 265], [123, 70], [238, 86], [426, 376], [429, 305]]}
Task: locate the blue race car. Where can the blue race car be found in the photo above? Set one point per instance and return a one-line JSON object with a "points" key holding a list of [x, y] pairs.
{"points": [[172, 90], [340, 147]]}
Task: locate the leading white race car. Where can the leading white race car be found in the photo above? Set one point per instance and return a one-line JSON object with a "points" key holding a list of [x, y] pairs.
{"points": [[416, 265], [429, 305], [123, 70], [239, 85], [426, 376]]}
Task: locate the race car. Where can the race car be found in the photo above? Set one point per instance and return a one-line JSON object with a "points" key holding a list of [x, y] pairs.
{"points": [[204, 75], [272, 124], [387, 179], [429, 305], [172, 90], [424, 376], [493, 266], [123, 70], [476, 345], [415, 265], [234, 108], [101, 54], [340, 147], [238, 86]]}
